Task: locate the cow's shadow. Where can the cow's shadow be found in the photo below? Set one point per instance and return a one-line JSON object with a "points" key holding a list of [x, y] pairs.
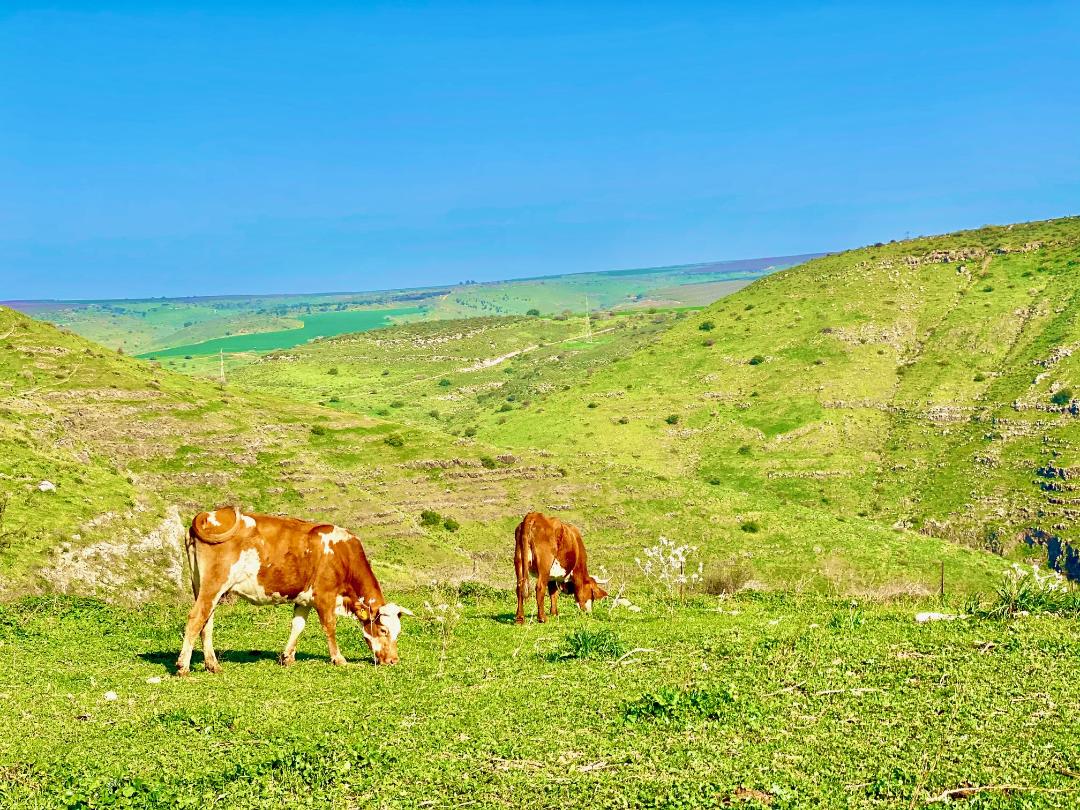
{"points": [[503, 618], [168, 659]]}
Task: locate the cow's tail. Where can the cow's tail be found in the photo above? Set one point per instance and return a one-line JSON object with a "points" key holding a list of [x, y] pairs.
{"points": [[202, 529]]}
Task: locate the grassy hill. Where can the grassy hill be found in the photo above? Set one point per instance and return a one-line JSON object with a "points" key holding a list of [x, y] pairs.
{"points": [[132, 451]]}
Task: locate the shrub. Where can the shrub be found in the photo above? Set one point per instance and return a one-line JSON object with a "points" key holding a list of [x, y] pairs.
{"points": [[471, 592], [727, 578], [595, 643], [445, 383], [397, 403], [386, 372], [429, 518], [332, 371], [979, 377], [706, 326], [488, 463], [593, 405], [1024, 590], [624, 420], [672, 419], [395, 440], [451, 525], [334, 399], [433, 413], [506, 406], [745, 450], [318, 430], [750, 526], [756, 360], [469, 432], [1062, 397], [534, 312], [382, 411]]}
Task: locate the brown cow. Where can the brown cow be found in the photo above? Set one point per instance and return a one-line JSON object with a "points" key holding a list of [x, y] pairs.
{"points": [[273, 560], [554, 553]]}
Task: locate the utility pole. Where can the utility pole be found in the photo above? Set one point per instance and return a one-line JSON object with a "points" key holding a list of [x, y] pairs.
{"points": [[588, 323]]}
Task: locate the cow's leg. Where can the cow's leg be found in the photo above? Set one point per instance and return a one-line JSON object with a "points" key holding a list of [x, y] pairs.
{"points": [[328, 619], [522, 593], [198, 616], [553, 589], [542, 569], [209, 657], [299, 619]]}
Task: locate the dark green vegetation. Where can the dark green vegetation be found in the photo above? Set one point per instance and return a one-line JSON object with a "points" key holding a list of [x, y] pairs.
{"points": [[845, 430], [326, 324], [780, 701]]}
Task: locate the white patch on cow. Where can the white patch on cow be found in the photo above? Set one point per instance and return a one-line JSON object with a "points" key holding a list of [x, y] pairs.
{"points": [[244, 580], [339, 606], [338, 535], [588, 605], [211, 518], [248, 521], [376, 644], [305, 598], [392, 623], [557, 570]]}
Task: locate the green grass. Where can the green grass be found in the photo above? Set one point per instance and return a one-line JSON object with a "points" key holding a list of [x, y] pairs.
{"points": [[722, 702]]}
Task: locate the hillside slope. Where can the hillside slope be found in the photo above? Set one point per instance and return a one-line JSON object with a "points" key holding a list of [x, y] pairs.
{"points": [[104, 458], [925, 384], [133, 450]]}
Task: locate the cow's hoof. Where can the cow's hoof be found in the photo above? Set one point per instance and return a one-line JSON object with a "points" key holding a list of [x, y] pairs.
{"points": [[182, 672], [286, 660], [213, 667], [519, 620], [541, 619], [338, 661]]}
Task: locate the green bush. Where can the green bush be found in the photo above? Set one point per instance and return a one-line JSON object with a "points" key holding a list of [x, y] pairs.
{"points": [[706, 326], [593, 405], [445, 383], [750, 526], [318, 430], [727, 578], [397, 403], [506, 406], [672, 419], [395, 440], [534, 312], [469, 432], [451, 525], [488, 462], [600, 643], [756, 360], [332, 371], [1062, 397], [429, 518]]}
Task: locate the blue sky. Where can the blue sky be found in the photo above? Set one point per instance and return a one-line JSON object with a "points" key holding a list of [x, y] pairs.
{"points": [[174, 149]]}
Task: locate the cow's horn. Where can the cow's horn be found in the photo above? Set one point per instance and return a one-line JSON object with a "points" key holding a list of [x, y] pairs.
{"points": [[390, 607], [602, 581]]}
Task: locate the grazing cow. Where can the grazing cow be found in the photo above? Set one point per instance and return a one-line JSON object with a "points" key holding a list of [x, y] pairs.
{"points": [[273, 560], [554, 553]]}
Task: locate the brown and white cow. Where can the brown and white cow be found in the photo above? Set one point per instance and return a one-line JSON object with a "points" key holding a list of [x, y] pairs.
{"points": [[274, 560], [554, 553]]}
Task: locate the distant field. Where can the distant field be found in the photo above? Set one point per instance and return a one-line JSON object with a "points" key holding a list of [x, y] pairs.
{"points": [[176, 327], [325, 324]]}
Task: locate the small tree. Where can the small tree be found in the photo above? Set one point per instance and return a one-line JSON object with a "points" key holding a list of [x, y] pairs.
{"points": [[706, 326], [534, 312]]}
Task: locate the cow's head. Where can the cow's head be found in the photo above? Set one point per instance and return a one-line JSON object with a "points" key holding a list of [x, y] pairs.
{"points": [[381, 632], [591, 591]]}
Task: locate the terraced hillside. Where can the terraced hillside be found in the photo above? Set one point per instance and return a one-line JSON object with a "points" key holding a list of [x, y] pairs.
{"points": [[923, 385], [927, 384], [105, 458], [133, 450]]}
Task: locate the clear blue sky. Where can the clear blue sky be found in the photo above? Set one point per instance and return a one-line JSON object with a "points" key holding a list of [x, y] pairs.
{"points": [[172, 149]]}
